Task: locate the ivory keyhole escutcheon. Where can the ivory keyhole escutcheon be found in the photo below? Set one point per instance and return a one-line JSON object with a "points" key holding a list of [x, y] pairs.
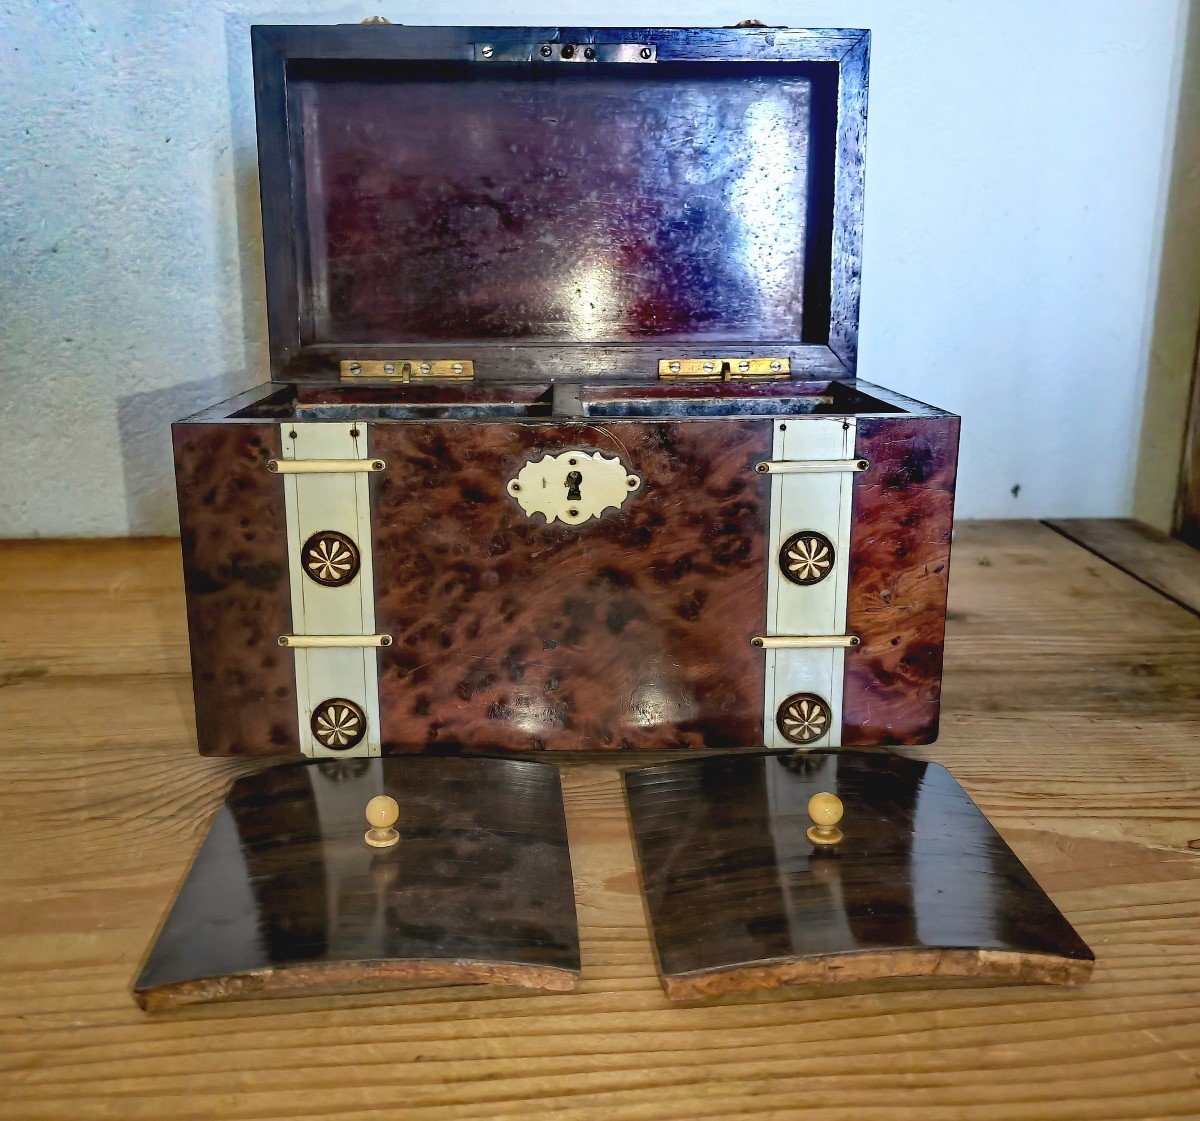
{"points": [[573, 486]]}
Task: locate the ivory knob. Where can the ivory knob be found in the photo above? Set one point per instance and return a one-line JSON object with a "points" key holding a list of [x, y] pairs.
{"points": [[382, 814], [826, 811]]}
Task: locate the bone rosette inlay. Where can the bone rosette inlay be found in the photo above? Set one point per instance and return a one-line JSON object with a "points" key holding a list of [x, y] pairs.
{"points": [[338, 724], [806, 557], [803, 718], [330, 558]]}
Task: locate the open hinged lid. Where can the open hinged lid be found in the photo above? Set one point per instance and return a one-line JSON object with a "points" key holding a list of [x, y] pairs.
{"points": [[560, 202]]}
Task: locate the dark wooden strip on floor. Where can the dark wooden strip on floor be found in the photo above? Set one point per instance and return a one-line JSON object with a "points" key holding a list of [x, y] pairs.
{"points": [[1158, 561]]}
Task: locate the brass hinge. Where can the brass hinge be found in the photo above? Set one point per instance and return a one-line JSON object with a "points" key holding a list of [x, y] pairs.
{"points": [[457, 369], [724, 369]]}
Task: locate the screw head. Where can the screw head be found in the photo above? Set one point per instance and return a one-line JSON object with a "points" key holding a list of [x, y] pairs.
{"points": [[389, 368], [546, 50], [674, 367], [708, 367], [589, 53], [425, 367], [776, 365], [743, 366], [354, 367], [457, 367], [645, 52], [487, 52]]}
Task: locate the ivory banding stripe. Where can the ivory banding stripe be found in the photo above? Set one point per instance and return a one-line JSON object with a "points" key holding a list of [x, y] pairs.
{"points": [[337, 500], [812, 484]]}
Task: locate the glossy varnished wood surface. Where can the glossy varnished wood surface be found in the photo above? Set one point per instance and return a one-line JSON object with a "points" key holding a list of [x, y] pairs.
{"points": [[456, 202], [628, 632], [286, 894], [920, 884], [1071, 716], [235, 559], [900, 534], [467, 223]]}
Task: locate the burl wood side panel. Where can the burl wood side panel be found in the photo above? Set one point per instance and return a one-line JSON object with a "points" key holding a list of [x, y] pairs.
{"points": [[899, 571], [235, 565], [631, 632]]}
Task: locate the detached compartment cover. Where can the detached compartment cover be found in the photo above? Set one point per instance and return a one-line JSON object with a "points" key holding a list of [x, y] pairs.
{"points": [[285, 894], [921, 884]]}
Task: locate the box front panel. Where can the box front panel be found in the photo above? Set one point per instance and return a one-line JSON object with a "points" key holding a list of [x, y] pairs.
{"points": [[628, 631]]}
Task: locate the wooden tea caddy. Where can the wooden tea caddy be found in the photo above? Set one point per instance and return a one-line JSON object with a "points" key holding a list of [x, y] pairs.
{"points": [[564, 450]]}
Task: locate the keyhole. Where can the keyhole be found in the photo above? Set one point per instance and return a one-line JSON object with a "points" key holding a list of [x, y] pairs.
{"points": [[574, 478]]}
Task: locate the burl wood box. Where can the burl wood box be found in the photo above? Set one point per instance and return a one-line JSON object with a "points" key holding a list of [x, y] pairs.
{"points": [[564, 448]]}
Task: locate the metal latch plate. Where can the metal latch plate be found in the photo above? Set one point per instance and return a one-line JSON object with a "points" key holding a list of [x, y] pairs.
{"points": [[393, 369], [566, 52], [724, 369]]}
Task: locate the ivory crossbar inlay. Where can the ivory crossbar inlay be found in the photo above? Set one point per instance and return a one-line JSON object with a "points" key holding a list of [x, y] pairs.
{"points": [[333, 641], [803, 641], [809, 466], [322, 466]]}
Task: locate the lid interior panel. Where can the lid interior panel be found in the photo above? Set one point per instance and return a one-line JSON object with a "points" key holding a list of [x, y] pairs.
{"points": [[443, 202]]}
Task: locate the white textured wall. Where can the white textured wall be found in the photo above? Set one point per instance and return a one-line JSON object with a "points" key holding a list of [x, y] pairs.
{"points": [[1017, 162]]}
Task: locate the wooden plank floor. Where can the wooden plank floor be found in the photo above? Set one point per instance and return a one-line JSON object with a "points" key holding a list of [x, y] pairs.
{"points": [[1072, 714], [1165, 564]]}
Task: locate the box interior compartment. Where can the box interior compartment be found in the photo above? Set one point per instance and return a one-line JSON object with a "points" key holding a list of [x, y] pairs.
{"points": [[506, 402]]}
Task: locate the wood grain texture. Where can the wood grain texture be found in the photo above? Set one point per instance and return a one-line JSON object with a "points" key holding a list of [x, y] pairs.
{"points": [[1071, 716], [993, 967], [235, 560], [919, 883], [418, 235], [902, 522], [1164, 564], [286, 895], [627, 632]]}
